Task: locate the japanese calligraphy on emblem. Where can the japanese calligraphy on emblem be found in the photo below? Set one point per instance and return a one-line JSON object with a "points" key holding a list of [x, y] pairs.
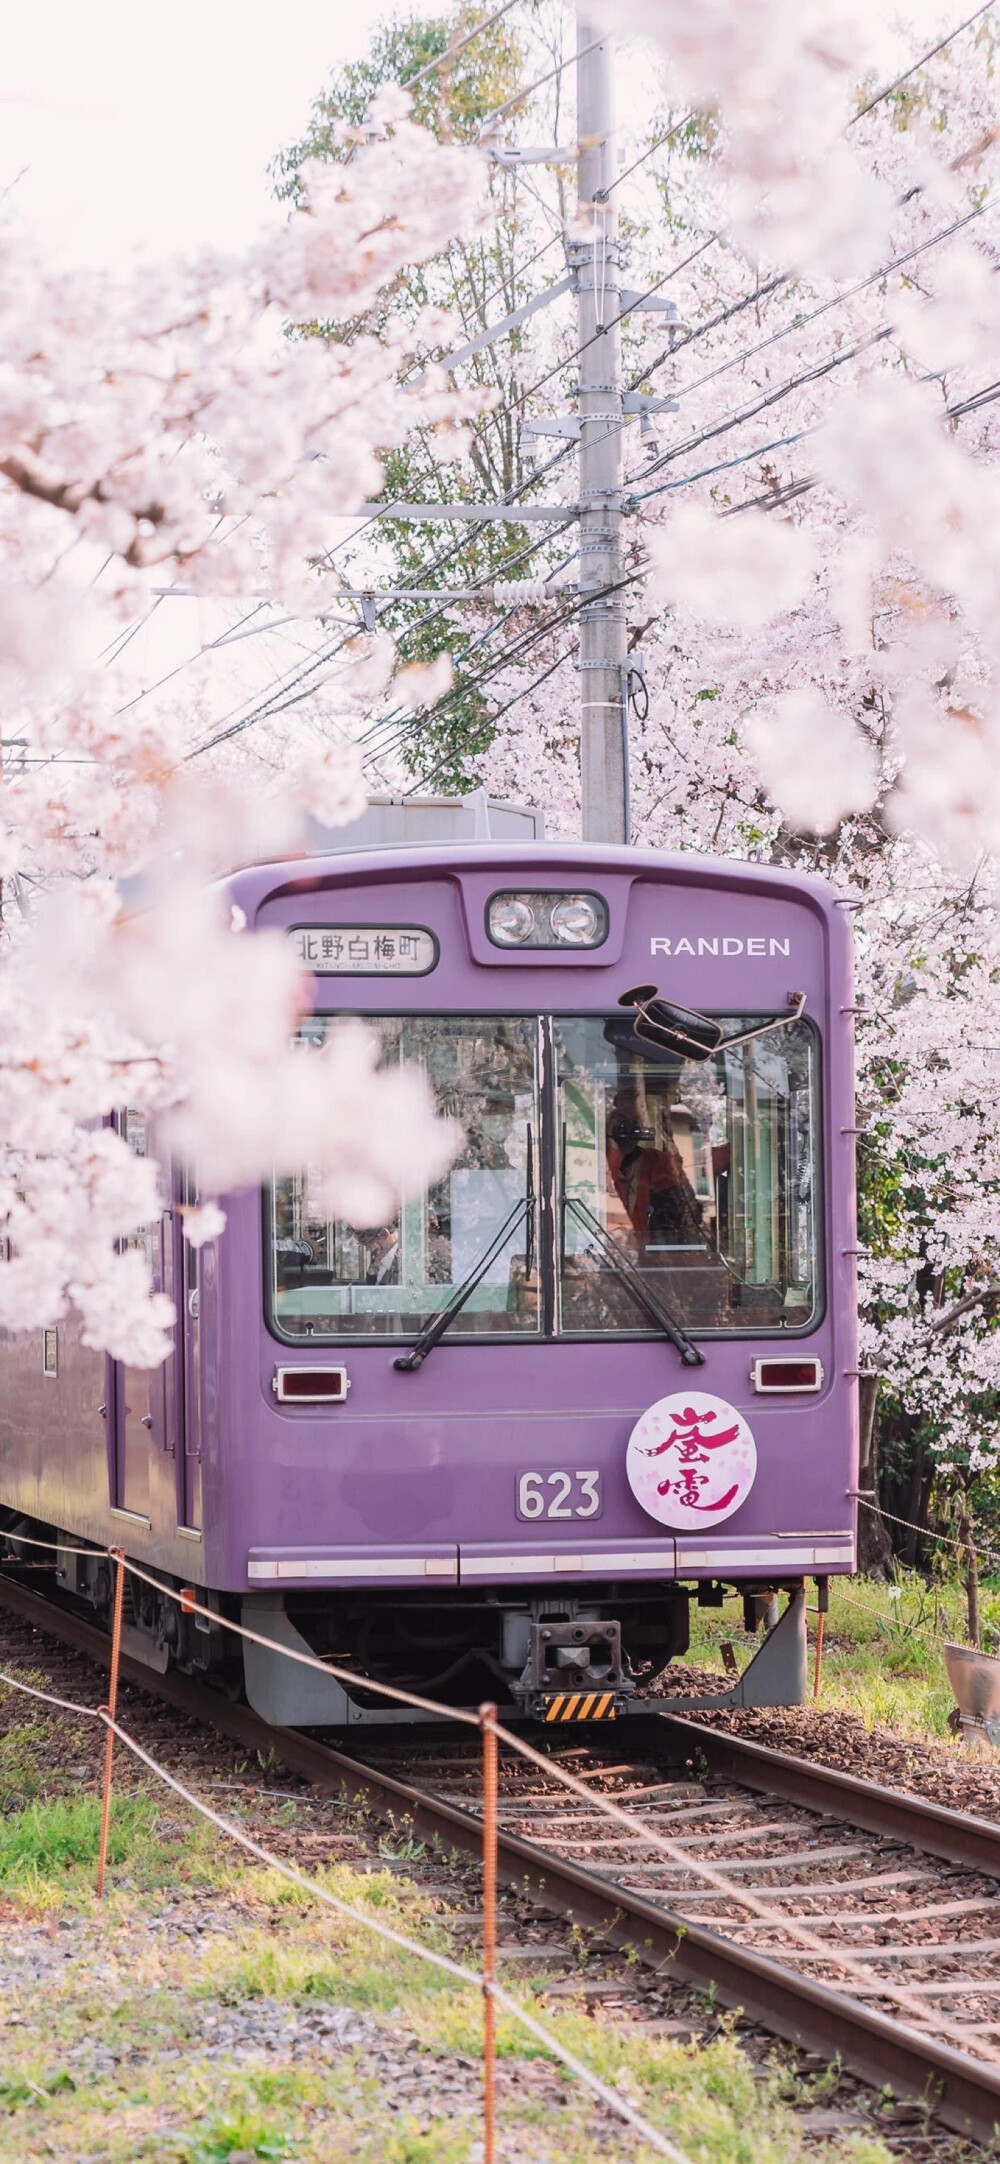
{"points": [[691, 1460]]}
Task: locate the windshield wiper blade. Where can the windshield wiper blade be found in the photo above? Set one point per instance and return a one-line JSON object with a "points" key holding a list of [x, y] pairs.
{"points": [[439, 1323], [635, 1283]]}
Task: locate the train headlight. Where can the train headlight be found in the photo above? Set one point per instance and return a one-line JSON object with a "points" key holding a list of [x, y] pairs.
{"points": [[511, 920], [547, 920], [577, 920]]}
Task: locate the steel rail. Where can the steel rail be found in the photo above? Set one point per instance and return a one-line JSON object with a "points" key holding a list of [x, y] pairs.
{"points": [[962, 2092], [958, 1837]]}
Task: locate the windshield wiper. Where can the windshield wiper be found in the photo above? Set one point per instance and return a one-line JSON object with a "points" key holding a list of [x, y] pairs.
{"points": [[635, 1283], [439, 1323]]}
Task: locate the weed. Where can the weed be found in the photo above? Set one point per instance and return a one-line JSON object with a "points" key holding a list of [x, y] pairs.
{"points": [[25, 1756], [242, 2136], [406, 1850], [47, 1839], [17, 2089]]}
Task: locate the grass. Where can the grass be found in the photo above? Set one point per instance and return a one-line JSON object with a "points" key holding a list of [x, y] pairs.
{"points": [[113, 2053], [883, 1657], [208, 2012]]}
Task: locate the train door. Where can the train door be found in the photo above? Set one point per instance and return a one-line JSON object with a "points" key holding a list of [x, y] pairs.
{"points": [[137, 1396], [189, 1277]]}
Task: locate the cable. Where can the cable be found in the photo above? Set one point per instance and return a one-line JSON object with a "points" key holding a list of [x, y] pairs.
{"points": [[530, 88], [582, 602], [921, 63], [263, 709], [784, 390], [799, 323], [459, 46], [712, 323], [427, 778], [772, 502], [653, 148]]}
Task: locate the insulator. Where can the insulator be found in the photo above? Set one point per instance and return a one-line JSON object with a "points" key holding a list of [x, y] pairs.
{"points": [[516, 593]]}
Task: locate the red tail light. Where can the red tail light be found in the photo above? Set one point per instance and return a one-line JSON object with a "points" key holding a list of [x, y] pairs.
{"points": [[776, 1376], [310, 1386]]}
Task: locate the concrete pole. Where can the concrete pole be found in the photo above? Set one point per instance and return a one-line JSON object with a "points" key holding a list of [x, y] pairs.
{"points": [[603, 736]]}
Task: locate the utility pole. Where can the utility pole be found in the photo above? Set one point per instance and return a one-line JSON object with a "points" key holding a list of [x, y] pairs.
{"points": [[601, 664]]}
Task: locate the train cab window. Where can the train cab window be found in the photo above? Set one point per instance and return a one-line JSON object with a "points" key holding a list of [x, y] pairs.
{"points": [[701, 1176], [332, 1280]]}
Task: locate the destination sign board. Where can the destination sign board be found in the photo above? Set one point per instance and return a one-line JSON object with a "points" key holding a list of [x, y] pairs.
{"points": [[364, 950]]}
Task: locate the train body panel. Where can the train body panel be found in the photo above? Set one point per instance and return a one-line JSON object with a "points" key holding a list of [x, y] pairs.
{"points": [[504, 1460]]}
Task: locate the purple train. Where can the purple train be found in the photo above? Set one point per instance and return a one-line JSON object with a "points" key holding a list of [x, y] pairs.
{"points": [[608, 1362]]}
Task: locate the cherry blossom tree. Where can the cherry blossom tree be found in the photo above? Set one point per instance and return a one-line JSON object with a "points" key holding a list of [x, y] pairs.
{"points": [[159, 429], [818, 625]]}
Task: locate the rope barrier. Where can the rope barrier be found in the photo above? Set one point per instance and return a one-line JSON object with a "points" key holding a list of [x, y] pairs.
{"points": [[305, 1660], [674, 1851], [859, 1495], [399, 1939], [25, 1540], [914, 1630]]}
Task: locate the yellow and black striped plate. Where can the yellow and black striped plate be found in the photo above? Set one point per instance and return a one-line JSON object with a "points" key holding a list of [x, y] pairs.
{"points": [[580, 1706]]}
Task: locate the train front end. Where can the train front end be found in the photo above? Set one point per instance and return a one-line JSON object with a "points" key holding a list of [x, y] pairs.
{"points": [[494, 1446]]}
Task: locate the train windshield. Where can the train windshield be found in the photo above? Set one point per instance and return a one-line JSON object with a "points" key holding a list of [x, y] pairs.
{"points": [[702, 1177], [695, 1180], [332, 1279]]}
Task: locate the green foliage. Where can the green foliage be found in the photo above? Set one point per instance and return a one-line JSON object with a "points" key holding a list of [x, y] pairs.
{"points": [[50, 1838], [247, 2134], [452, 102], [476, 281], [25, 1759], [883, 1658], [17, 2089]]}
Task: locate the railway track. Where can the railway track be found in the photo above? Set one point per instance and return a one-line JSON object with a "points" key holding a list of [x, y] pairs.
{"points": [[893, 1893]]}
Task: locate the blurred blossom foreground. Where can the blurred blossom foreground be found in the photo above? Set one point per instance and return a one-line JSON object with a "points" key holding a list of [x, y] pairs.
{"points": [[165, 429]]}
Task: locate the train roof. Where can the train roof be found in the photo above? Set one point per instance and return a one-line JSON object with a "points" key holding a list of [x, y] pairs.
{"points": [[421, 837]]}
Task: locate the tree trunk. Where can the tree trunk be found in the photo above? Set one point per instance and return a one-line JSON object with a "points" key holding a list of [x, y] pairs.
{"points": [[911, 1509], [971, 1577], [874, 1541]]}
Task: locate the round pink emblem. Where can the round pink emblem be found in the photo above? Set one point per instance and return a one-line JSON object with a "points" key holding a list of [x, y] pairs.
{"points": [[691, 1460]]}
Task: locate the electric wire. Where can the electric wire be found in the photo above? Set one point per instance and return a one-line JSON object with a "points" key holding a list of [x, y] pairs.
{"points": [[395, 717], [428, 778], [408, 724], [799, 323], [921, 63], [505, 660], [459, 46], [265, 708], [772, 398], [650, 152], [487, 123], [801, 486]]}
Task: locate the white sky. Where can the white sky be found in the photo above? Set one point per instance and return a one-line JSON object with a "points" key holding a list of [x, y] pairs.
{"points": [[150, 128], [130, 127]]}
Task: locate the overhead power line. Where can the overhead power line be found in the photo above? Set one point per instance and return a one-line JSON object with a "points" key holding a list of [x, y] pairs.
{"points": [[772, 398], [509, 105], [988, 396], [430, 776], [800, 322], [921, 63], [459, 46]]}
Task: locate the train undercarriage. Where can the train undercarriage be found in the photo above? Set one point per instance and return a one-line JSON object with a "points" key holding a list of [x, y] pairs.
{"points": [[594, 1653]]}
